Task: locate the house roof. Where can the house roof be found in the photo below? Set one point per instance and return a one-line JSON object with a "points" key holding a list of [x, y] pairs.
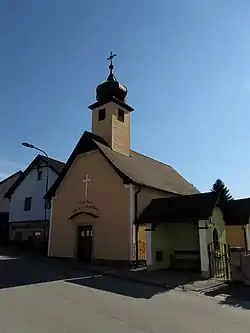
{"points": [[55, 165], [6, 183], [111, 99], [136, 168], [237, 212], [179, 208]]}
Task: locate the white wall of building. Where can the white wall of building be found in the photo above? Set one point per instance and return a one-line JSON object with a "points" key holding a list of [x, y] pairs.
{"points": [[30, 187]]}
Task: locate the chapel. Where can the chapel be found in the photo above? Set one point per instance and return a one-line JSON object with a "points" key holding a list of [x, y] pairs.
{"points": [[105, 186]]}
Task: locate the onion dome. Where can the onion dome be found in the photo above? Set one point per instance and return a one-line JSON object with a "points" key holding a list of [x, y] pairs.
{"points": [[111, 87]]}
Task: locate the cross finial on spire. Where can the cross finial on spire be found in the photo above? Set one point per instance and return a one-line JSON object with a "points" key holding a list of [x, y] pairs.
{"points": [[110, 58]]}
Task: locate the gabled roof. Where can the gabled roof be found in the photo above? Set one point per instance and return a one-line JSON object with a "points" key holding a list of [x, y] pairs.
{"points": [[181, 208], [145, 171], [6, 183], [136, 168], [237, 212], [55, 165]]}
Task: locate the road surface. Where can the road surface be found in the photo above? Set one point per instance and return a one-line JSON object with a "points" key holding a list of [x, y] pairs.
{"points": [[48, 297]]}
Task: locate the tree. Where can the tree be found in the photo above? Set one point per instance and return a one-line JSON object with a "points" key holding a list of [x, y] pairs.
{"points": [[220, 188]]}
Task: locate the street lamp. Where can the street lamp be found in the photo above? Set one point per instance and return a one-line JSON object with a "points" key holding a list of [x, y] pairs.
{"points": [[29, 145]]}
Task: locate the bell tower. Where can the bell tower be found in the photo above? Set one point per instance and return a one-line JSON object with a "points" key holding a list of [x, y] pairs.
{"points": [[111, 114]]}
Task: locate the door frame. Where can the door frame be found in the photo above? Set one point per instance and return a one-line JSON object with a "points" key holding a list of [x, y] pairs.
{"points": [[77, 227]]}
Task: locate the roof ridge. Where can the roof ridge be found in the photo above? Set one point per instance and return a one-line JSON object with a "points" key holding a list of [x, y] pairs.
{"points": [[50, 158], [53, 159]]}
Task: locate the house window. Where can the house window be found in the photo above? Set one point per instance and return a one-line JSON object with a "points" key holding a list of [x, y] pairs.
{"points": [[39, 174], [27, 203], [120, 115], [101, 114]]}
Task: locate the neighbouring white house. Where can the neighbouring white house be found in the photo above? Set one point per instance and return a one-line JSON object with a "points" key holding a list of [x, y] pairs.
{"points": [[5, 185], [29, 213]]}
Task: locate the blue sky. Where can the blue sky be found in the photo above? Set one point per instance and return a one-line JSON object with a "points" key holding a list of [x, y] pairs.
{"points": [[186, 65]]}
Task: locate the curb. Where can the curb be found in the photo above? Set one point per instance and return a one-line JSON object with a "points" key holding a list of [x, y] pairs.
{"points": [[134, 279], [183, 288], [154, 283]]}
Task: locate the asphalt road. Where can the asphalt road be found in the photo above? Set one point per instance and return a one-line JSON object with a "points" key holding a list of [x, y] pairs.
{"points": [[51, 297]]}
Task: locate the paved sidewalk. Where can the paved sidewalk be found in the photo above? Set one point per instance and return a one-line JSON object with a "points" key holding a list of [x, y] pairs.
{"points": [[230, 293], [168, 279]]}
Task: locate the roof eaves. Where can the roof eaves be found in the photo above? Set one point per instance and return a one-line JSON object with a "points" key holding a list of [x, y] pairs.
{"points": [[156, 203], [52, 166], [21, 178], [18, 173], [112, 99], [11, 176], [154, 188]]}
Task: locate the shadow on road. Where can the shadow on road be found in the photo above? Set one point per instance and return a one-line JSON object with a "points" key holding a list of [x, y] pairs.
{"points": [[236, 295], [22, 269], [19, 268], [119, 286]]}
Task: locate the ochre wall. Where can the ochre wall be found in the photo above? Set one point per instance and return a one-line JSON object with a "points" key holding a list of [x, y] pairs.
{"points": [[184, 236], [111, 230], [147, 194], [235, 236], [102, 128], [218, 222], [115, 132], [161, 241], [171, 237], [144, 198], [121, 132]]}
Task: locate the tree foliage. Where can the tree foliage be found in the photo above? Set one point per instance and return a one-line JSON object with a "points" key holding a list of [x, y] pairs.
{"points": [[220, 188]]}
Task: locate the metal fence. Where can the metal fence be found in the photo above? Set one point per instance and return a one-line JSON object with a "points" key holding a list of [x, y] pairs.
{"points": [[220, 260], [141, 260]]}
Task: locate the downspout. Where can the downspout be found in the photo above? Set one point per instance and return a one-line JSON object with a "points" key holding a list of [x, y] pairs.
{"points": [[136, 228]]}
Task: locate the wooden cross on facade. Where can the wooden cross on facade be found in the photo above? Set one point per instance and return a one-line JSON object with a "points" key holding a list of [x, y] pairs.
{"points": [[86, 181]]}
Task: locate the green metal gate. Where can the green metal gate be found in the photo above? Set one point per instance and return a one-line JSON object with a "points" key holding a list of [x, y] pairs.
{"points": [[219, 260]]}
